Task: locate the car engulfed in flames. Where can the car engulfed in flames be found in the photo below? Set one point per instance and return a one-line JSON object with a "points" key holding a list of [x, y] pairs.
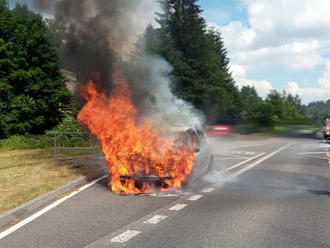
{"points": [[139, 159]]}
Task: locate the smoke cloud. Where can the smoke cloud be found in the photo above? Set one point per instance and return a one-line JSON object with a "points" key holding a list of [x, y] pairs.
{"points": [[100, 35]]}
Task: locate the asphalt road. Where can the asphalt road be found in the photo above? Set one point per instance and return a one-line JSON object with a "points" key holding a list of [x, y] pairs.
{"points": [[264, 192]]}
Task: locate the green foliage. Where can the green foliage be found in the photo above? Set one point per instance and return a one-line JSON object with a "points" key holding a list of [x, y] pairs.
{"points": [[318, 111], [32, 88], [19, 142], [277, 107], [68, 124], [70, 134]]}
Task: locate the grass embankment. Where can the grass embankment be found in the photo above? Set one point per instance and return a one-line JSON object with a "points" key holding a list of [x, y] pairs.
{"points": [[28, 173]]}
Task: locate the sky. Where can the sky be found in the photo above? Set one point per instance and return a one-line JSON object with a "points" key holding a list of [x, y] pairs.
{"points": [[272, 44], [276, 44]]}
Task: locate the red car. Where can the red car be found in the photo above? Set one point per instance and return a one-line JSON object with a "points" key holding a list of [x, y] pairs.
{"points": [[326, 129], [219, 130]]}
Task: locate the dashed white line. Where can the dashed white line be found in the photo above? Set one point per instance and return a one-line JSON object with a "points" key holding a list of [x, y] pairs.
{"points": [[46, 209], [208, 190], [156, 219], [195, 197], [243, 162], [177, 207], [238, 173], [125, 236]]}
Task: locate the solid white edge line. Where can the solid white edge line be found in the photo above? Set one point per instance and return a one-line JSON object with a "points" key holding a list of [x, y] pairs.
{"points": [[125, 236], [243, 162], [311, 153], [46, 209], [240, 172]]}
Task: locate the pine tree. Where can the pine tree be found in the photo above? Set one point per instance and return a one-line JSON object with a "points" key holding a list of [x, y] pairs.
{"points": [[199, 59]]}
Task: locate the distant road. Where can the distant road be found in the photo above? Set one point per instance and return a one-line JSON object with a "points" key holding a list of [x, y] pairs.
{"points": [[265, 192]]}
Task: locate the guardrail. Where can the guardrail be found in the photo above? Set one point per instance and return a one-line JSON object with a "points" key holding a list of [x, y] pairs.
{"points": [[94, 143]]}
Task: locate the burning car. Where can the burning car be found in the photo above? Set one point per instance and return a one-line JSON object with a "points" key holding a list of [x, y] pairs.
{"points": [[326, 129], [140, 159], [194, 138]]}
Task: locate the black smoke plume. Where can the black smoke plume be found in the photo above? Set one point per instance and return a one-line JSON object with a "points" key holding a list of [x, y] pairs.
{"points": [[99, 35]]}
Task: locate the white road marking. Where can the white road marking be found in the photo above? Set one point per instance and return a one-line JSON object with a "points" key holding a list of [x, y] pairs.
{"points": [[125, 236], [309, 156], [258, 144], [243, 162], [46, 209], [156, 219], [310, 153], [177, 207], [195, 197], [208, 190], [237, 158], [243, 153], [240, 172]]}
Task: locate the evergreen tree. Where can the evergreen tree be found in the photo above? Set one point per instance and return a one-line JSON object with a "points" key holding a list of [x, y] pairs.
{"points": [[31, 85], [3, 4], [199, 59]]}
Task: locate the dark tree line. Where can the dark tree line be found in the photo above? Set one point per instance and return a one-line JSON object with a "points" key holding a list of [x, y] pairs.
{"points": [[319, 110], [274, 108]]}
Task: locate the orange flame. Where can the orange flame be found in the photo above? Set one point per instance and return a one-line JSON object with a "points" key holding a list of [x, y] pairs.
{"points": [[131, 149]]}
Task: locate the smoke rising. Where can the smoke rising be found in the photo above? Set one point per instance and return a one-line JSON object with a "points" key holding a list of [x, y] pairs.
{"points": [[100, 35]]}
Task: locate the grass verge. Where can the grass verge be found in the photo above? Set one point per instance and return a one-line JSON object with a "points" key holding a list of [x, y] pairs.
{"points": [[26, 174]]}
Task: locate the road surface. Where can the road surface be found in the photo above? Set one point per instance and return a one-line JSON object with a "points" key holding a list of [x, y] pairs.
{"points": [[264, 192]]}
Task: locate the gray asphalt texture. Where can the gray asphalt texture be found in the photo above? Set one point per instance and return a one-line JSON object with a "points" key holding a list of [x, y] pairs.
{"points": [[282, 202]]}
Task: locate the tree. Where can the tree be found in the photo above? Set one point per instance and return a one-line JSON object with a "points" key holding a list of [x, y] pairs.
{"points": [[318, 111], [252, 105], [3, 4], [199, 59], [32, 88]]}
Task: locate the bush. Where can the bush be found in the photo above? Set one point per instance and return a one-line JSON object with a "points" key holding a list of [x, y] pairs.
{"points": [[68, 124], [18, 142], [64, 137]]}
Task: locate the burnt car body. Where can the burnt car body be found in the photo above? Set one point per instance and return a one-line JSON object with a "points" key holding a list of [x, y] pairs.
{"points": [[198, 140], [195, 138]]}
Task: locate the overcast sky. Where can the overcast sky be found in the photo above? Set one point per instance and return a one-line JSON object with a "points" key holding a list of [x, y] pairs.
{"points": [[276, 44]]}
